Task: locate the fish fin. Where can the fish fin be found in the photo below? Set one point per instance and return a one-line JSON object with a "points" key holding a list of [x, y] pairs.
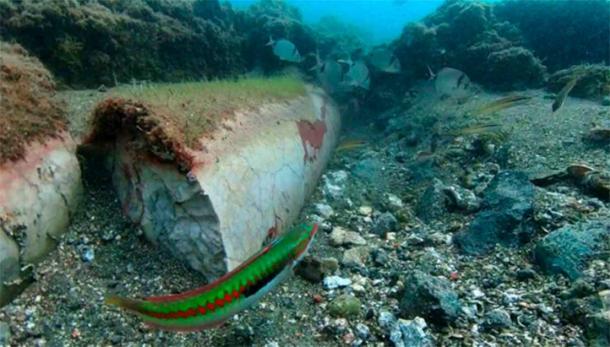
{"points": [[430, 73], [271, 41]]}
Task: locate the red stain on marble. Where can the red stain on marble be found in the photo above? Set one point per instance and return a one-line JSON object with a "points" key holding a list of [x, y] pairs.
{"points": [[312, 137]]}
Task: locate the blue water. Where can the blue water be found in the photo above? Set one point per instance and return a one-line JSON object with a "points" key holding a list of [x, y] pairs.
{"points": [[382, 20]]}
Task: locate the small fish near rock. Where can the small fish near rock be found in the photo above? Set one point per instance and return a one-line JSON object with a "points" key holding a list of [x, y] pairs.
{"points": [[384, 60], [450, 82], [285, 50]]}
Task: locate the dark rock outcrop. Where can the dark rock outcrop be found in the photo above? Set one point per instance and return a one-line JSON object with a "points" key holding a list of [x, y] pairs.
{"points": [[569, 249], [429, 297], [503, 219]]}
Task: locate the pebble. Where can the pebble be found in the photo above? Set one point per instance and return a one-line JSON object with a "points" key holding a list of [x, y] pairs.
{"points": [[362, 331], [356, 256], [324, 210], [329, 265], [334, 282], [410, 333], [385, 223], [87, 254], [365, 210], [386, 320], [310, 269], [394, 201], [345, 305], [497, 319], [343, 237]]}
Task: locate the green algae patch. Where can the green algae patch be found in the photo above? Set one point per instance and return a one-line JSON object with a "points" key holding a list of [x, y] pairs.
{"points": [[28, 110], [172, 118]]}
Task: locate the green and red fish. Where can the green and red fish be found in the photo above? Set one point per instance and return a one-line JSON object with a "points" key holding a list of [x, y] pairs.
{"points": [[212, 304]]}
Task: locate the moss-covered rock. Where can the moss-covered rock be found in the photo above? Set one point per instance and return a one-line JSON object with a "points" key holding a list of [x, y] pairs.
{"points": [[565, 33], [88, 43], [593, 81], [515, 67], [276, 19], [345, 305], [468, 36], [28, 110]]}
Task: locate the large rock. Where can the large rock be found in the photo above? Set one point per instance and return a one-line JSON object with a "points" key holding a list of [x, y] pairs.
{"points": [[433, 203], [503, 219], [430, 297], [213, 205], [568, 250]]}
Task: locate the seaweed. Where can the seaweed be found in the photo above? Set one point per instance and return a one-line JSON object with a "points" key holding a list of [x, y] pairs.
{"points": [[593, 80], [468, 36], [28, 110], [172, 118], [89, 43], [565, 33]]}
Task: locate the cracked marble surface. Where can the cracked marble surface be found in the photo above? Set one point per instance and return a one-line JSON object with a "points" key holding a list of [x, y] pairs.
{"points": [[251, 180], [38, 196]]}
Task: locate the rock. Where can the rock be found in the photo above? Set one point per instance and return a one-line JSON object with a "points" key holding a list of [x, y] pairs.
{"points": [[386, 222], [362, 331], [324, 210], [356, 256], [506, 209], [87, 254], [515, 68], [310, 269], [343, 237], [525, 274], [410, 333], [497, 319], [433, 203], [462, 199], [334, 282], [606, 101], [394, 202], [380, 257], [346, 306], [590, 85], [333, 184], [569, 249], [386, 320], [5, 334], [365, 210], [430, 297], [597, 329], [329, 265]]}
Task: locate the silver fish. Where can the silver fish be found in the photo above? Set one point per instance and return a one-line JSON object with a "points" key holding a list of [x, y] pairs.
{"points": [[358, 75], [285, 50], [383, 59], [330, 75], [451, 82]]}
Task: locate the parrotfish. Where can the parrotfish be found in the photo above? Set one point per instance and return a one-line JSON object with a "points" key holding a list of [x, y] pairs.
{"points": [[209, 306]]}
